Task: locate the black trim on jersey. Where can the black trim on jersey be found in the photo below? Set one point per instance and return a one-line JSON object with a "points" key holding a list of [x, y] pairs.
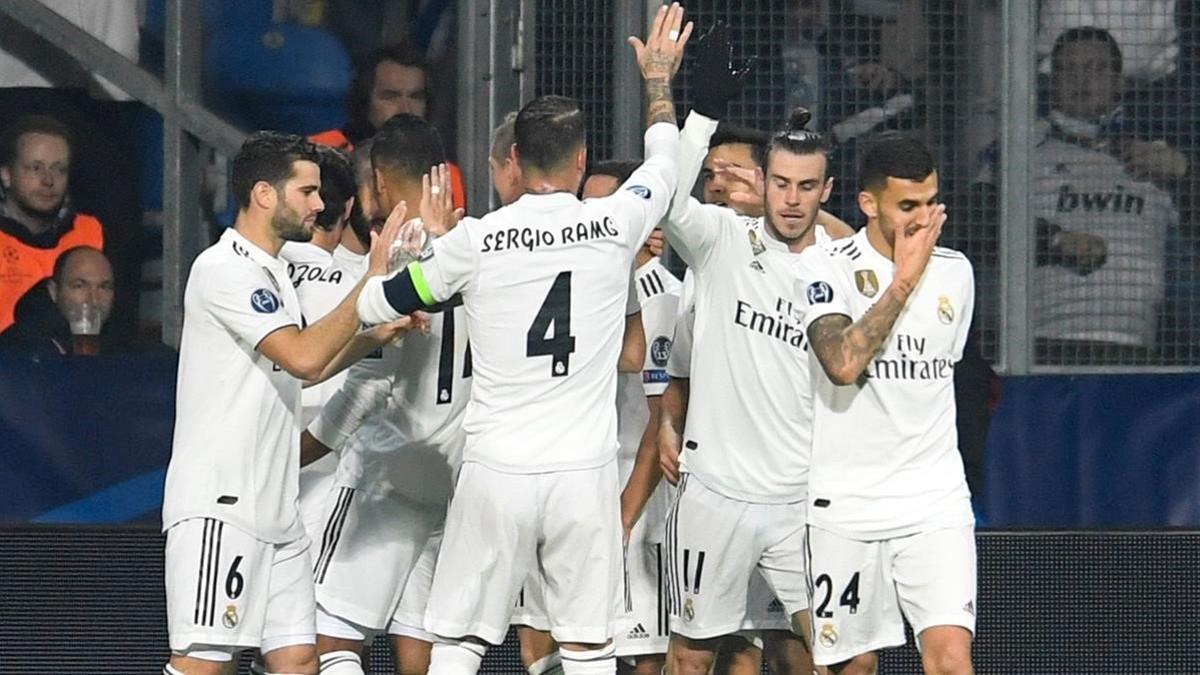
{"points": [[699, 571], [204, 612], [652, 284], [674, 596], [401, 294], [215, 575], [333, 531], [625, 571], [808, 579], [200, 574], [445, 371], [661, 613]]}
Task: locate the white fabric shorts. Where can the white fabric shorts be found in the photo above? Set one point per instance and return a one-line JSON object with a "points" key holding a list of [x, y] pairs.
{"points": [[316, 485], [763, 610], [645, 624], [409, 619], [227, 590], [715, 545], [564, 527], [370, 544], [863, 590]]}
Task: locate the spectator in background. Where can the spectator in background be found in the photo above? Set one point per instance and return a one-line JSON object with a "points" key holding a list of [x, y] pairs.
{"points": [[1103, 207], [37, 78], [393, 81], [502, 160], [37, 223], [66, 314], [1145, 31]]}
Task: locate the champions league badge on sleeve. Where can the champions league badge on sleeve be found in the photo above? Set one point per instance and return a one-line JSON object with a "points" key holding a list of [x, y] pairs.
{"points": [[660, 350], [640, 190], [264, 301], [819, 292]]}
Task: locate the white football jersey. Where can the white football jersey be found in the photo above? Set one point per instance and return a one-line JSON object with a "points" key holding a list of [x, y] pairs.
{"points": [[412, 442], [885, 449], [657, 291], [545, 282], [1089, 190], [748, 429], [235, 454], [321, 284]]}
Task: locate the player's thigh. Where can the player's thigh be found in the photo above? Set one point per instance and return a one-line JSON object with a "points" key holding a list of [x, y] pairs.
{"points": [[854, 605], [783, 563], [218, 581], [646, 613], [488, 549], [409, 617], [712, 551], [373, 543], [581, 553], [935, 577], [291, 608]]}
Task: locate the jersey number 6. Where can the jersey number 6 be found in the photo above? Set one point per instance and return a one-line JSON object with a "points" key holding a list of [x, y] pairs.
{"points": [[559, 344]]}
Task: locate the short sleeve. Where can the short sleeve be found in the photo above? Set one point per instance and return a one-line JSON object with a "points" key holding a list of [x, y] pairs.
{"points": [[451, 268], [632, 304], [246, 300], [658, 318], [818, 288]]}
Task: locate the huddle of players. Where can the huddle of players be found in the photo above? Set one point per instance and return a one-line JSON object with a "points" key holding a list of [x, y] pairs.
{"points": [[805, 350]]}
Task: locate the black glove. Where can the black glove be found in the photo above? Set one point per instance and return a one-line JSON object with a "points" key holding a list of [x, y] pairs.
{"points": [[715, 79]]}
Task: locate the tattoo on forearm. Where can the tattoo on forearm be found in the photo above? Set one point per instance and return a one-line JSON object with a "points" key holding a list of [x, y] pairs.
{"points": [[844, 347], [660, 107]]}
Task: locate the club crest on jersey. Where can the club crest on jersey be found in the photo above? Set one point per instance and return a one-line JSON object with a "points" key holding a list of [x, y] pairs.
{"points": [[660, 350], [828, 636], [757, 247], [230, 618], [867, 282], [640, 190], [689, 610], [945, 310], [819, 292], [264, 301]]}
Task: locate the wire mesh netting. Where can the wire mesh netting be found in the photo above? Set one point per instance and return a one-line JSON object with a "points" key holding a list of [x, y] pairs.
{"points": [[573, 50]]}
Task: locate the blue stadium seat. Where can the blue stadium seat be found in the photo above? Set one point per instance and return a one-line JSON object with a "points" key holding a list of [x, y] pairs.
{"points": [[286, 77]]}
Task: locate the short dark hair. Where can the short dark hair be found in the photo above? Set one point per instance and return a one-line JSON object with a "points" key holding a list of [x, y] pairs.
{"points": [[503, 136], [409, 145], [796, 139], [549, 130], [31, 124], [63, 259], [727, 133], [268, 156], [621, 169], [337, 185], [358, 97], [1088, 34], [893, 154]]}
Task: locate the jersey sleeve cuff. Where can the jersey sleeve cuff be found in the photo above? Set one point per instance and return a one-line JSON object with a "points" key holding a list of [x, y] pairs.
{"points": [[698, 128], [661, 139]]}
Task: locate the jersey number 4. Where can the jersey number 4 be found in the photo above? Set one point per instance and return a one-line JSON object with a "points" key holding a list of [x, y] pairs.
{"points": [[550, 334]]}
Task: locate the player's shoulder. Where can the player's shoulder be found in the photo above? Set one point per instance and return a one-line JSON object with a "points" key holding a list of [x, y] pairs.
{"points": [[950, 259], [654, 280]]}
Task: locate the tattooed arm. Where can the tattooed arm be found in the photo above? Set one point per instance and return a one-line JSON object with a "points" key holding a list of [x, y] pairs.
{"points": [[845, 348], [659, 58]]}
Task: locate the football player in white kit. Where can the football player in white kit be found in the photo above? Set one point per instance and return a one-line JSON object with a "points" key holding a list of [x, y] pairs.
{"points": [[397, 422], [238, 571], [321, 283], [740, 509], [890, 531], [545, 283]]}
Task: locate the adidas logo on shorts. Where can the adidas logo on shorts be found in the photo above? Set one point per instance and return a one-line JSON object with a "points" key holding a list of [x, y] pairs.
{"points": [[638, 632], [775, 606]]}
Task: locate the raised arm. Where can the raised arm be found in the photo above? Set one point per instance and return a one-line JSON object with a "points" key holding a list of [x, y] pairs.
{"points": [[846, 347]]}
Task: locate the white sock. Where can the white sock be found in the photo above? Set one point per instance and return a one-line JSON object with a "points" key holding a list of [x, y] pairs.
{"points": [[170, 670], [459, 657], [602, 661], [341, 663], [550, 664]]}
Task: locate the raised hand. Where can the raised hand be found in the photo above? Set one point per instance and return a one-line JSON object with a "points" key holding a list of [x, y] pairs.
{"points": [[382, 242], [914, 245], [718, 79], [659, 57], [437, 201]]}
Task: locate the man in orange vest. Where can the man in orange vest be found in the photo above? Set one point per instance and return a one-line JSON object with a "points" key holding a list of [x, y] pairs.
{"points": [[36, 222], [393, 81]]}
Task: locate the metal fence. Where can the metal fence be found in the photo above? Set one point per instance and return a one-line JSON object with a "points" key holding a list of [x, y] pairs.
{"points": [[1069, 179]]}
